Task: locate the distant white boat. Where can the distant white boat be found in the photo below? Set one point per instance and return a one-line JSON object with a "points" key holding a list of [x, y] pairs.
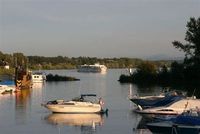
{"points": [[38, 77], [6, 88], [80, 104], [175, 108], [96, 68]]}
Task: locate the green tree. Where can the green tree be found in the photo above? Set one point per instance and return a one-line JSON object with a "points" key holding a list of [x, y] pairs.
{"points": [[20, 59], [191, 49], [192, 46], [147, 68], [146, 74], [177, 71]]}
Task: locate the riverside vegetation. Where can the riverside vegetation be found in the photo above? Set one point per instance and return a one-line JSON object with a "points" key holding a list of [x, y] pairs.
{"points": [[60, 62], [51, 77]]}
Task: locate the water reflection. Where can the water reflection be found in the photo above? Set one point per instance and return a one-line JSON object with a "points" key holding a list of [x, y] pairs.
{"points": [[23, 110], [75, 119], [22, 97], [22, 105], [86, 122], [38, 85], [144, 120], [139, 126]]}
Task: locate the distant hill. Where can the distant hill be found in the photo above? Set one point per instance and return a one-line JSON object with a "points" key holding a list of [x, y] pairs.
{"points": [[164, 57]]}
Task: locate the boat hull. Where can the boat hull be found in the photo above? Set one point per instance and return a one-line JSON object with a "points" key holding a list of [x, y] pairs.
{"points": [[62, 108], [146, 111], [5, 88], [174, 108]]}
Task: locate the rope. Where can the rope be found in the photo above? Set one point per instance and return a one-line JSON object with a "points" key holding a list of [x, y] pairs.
{"points": [[174, 129]]}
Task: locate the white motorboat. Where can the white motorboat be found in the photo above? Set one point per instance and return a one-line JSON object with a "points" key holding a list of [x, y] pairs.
{"points": [[175, 108], [38, 77], [77, 105], [6, 88], [96, 68], [76, 119]]}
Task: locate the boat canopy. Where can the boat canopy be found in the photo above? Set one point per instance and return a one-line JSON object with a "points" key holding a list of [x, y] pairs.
{"points": [[84, 95]]}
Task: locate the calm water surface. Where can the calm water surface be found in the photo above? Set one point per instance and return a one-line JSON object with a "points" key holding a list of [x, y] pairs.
{"points": [[22, 113]]}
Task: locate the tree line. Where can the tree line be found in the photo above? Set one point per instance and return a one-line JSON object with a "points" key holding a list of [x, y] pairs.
{"points": [[186, 72], [63, 62]]}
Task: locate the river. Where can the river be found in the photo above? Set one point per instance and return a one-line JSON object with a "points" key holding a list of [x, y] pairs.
{"points": [[22, 113]]}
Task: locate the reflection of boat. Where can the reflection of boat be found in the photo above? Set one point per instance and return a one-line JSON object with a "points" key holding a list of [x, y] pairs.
{"points": [[143, 121], [96, 68], [173, 108], [76, 119], [37, 85], [86, 103], [38, 77], [171, 128], [22, 106], [22, 98]]}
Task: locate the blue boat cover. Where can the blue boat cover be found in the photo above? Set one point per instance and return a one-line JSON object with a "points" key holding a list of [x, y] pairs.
{"points": [[7, 82], [158, 102]]}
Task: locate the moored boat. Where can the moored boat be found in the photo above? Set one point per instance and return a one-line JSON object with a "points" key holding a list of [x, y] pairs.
{"points": [[22, 78], [77, 105], [6, 88], [38, 77], [173, 108]]}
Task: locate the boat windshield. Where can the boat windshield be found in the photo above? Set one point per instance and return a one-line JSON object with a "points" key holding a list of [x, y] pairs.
{"points": [[192, 112], [86, 98]]}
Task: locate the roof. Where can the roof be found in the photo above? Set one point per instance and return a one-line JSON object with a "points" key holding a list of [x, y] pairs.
{"points": [[84, 95]]}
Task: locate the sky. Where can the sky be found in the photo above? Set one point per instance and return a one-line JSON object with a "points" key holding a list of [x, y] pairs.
{"points": [[95, 28]]}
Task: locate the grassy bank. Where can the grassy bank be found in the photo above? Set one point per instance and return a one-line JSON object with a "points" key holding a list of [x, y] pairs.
{"points": [[7, 71]]}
